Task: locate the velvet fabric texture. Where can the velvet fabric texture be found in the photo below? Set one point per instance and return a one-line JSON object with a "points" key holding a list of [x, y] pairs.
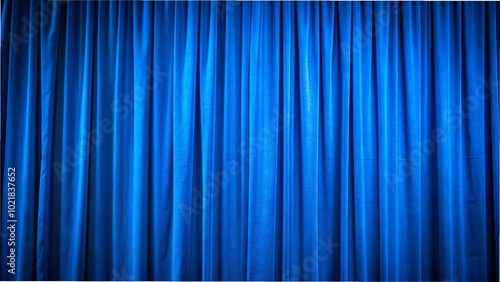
{"points": [[251, 140]]}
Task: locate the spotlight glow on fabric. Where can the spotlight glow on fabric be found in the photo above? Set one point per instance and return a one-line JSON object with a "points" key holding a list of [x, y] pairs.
{"points": [[249, 140]]}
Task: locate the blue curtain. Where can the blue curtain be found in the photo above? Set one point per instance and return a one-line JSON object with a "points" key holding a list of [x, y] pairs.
{"points": [[250, 140]]}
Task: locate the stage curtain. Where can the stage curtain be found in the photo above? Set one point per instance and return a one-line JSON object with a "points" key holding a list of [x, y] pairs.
{"points": [[250, 140]]}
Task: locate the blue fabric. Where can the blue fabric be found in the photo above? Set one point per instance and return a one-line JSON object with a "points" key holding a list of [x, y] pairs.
{"points": [[251, 140]]}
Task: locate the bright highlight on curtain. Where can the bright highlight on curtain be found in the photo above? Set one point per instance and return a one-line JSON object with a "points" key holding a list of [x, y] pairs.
{"points": [[250, 140]]}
